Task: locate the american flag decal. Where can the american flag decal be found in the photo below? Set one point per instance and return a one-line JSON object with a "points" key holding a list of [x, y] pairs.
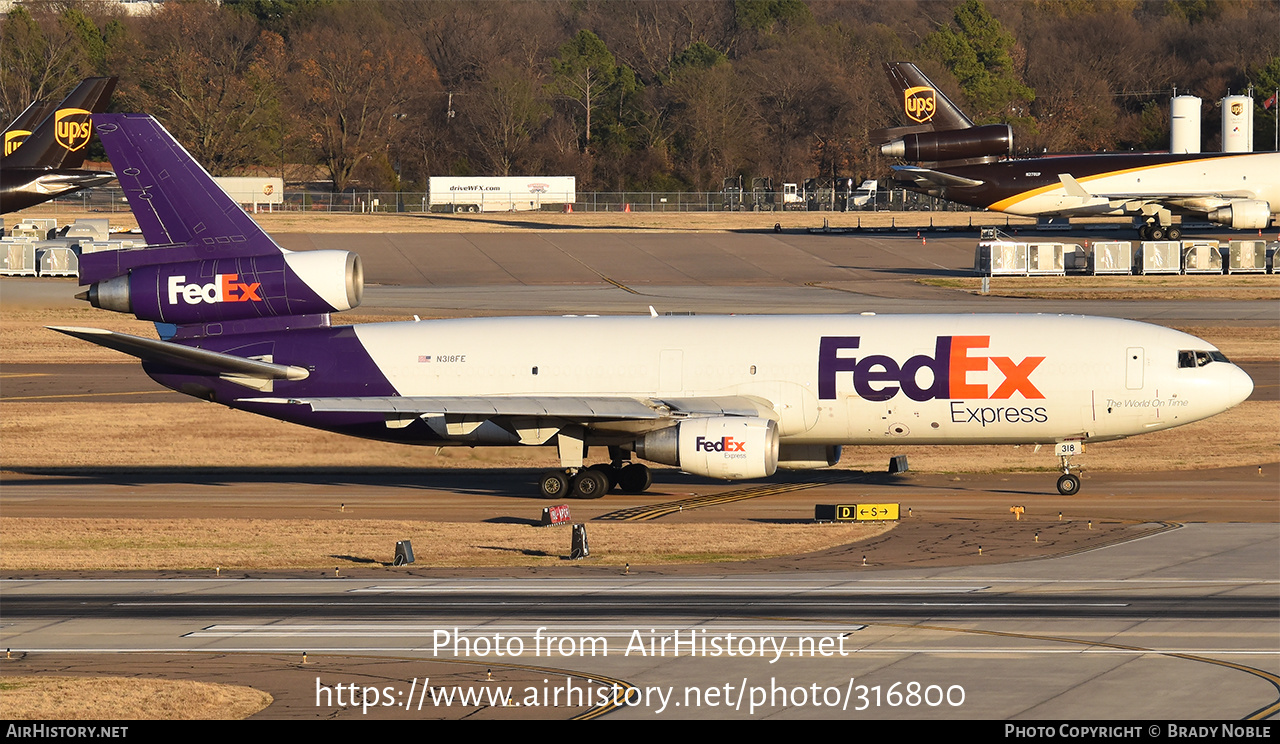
{"points": [[425, 358]]}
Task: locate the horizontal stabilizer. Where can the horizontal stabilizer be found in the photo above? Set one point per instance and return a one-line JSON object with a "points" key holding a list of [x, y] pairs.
{"points": [[925, 177], [185, 357]]}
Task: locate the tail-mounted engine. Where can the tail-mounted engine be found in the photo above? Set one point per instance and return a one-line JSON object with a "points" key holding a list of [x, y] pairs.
{"points": [[729, 448], [990, 141], [236, 288]]}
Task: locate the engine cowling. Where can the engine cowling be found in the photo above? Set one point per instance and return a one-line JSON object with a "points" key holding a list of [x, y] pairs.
{"points": [[956, 144], [1246, 214], [220, 289], [808, 456], [729, 448]]}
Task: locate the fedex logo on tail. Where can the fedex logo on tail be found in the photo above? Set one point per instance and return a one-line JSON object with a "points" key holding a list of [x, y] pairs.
{"points": [[878, 377], [223, 288]]}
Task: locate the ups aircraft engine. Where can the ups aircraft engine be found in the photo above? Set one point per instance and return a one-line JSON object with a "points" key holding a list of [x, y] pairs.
{"points": [[990, 141], [1246, 214]]}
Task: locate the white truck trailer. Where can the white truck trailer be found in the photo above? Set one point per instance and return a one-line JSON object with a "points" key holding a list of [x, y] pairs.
{"points": [[500, 193]]}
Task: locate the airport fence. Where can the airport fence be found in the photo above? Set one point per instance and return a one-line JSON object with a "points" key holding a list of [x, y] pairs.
{"points": [[111, 199]]}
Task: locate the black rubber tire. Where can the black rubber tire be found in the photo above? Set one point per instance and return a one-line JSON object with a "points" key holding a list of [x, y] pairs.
{"points": [[1156, 232], [1069, 484], [590, 484], [1175, 233], [609, 471], [553, 485], [634, 478]]}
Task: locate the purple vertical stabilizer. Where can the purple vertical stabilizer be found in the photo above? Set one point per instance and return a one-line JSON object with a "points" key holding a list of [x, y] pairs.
{"points": [[175, 200]]}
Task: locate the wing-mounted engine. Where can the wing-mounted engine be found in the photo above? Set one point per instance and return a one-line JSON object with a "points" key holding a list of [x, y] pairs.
{"points": [[730, 448], [989, 142], [234, 288], [1244, 214]]}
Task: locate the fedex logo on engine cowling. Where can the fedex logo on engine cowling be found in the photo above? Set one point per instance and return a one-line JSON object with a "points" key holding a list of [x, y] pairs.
{"points": [[223, 288], [723, 444], [878, 377]]}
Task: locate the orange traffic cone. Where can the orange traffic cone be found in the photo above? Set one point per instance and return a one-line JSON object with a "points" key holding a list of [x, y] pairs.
{"points": [[626, 207], [568, 208]]}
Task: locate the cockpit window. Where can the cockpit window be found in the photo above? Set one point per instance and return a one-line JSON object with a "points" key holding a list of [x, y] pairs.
{"points": [[1193, 359]]}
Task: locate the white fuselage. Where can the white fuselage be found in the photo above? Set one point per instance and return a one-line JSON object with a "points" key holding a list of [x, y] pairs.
{"points": [[845, 379], [1198, 186]]}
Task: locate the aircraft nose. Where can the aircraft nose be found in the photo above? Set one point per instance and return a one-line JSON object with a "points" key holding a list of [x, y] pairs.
{"points": [[1239, 387]]}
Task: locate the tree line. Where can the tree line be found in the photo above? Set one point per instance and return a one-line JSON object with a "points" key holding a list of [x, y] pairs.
{"points": [[651, 95]]}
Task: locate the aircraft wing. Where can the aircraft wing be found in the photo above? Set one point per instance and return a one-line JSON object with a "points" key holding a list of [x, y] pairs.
{"points": [[553, 406]]}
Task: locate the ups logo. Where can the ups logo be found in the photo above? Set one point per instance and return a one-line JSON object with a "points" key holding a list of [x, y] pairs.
{"points": [[920, 103], [13, 138], [1237, 108], [71, 128]]}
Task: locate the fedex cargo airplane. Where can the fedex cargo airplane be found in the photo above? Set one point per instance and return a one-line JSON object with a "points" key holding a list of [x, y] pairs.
{"points": [[246, 324], [44, 162], [956, 160]]}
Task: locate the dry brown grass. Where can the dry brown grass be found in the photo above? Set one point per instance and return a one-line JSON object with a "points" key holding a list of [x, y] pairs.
{"points": [[125, 699], [1257, 343], [265, 544], [1155, 287]]}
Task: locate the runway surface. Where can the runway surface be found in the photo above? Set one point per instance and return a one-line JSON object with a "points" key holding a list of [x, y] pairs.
{"points": [[1167, 610]]}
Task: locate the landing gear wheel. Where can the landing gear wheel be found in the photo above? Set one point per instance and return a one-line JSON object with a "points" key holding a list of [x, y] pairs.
{"points": [[1156, 232], [634, 478], [1068, 484], [590, 484], [610, 473], [1175, 233], [1144, 232], [553, 485]]}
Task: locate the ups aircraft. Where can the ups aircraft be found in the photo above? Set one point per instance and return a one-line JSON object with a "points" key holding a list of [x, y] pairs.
{"points": [[958, 161], [246, 324], [44, 162]]}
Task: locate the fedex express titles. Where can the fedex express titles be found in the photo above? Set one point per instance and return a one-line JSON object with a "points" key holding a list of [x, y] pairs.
{"points": [[877, 377]]}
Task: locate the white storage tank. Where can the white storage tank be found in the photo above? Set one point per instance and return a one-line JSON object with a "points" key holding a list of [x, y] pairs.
{"points": [[1046, 259], [1237, 124], [1000, 257], [1184, 125], [1111, 257], [17, 257], [1246, 256], [1159, 257], [1201, 257]]}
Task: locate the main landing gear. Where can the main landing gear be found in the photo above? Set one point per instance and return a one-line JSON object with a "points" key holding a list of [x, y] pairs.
{"points": [[595, 481], [1156, 231]]}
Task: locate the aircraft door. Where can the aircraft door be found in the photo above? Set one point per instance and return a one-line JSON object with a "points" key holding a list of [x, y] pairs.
{"points": [[1135, 361]]}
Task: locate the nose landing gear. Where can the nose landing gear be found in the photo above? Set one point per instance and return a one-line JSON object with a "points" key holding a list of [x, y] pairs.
{"points": [[1068, 482]]}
